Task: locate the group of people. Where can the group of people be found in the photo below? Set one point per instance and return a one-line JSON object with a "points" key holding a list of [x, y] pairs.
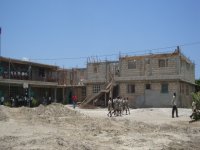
{"points": [[18, 101], [21, 101], [118, 106], [46, 100]]}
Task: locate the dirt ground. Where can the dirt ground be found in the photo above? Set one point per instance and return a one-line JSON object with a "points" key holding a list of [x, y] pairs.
{"points": [[60, 127]]}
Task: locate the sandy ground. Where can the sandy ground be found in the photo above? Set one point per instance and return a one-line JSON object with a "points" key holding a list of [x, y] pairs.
{"points": [[61, 127]]}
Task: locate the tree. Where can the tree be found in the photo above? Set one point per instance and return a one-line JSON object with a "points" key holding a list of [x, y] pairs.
{"points": [[196, 98], [197, 82]]}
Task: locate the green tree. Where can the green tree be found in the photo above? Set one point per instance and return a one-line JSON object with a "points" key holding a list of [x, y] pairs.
{"points": [[196, 98], [197, 82]]}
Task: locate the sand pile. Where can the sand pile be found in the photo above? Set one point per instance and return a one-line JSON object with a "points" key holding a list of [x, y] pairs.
{"points": [[3, 116], [59, 127]]}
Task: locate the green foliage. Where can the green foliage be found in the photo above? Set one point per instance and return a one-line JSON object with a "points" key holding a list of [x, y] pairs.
{"points": [[35, 102], [7, 103], [196, 98], [197, 82]]}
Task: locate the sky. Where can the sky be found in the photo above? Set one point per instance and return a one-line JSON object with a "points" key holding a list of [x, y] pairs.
{"points": [[69, 32]]}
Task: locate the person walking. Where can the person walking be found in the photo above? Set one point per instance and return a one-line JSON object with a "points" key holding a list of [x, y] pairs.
{"points": [[174, 107], [114, 106]]}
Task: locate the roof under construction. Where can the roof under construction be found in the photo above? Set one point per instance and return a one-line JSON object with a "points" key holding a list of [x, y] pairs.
{"points": [[165, 55], [159, 56]]}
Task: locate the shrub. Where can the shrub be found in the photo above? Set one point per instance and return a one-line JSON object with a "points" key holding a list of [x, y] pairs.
{"points": [[7, 103], [196, 98], [35, 102]]}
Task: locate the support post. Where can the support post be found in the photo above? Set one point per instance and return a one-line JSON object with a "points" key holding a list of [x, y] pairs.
{"points": [[55, 95], [105, 98], [63, 94]]}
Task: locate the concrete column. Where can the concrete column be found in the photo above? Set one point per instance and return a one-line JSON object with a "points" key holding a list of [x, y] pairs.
{"points": [[105, 98], [63, 94], [55, 95]]}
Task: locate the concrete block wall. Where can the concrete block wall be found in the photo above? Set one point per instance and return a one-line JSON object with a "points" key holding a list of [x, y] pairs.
{"points": [[185, 97], [139, 91], [103, 71], [153, 97], [171, 69], [187, 71], [124, 71], [89, 88], [100, 75], [151, 69]]}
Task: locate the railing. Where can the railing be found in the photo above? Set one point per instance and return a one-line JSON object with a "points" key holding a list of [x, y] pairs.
{"points": [[25, 76]]}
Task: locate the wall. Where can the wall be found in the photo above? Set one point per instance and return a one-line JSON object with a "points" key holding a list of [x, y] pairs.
{"points": [[99, 75], [153, 97], [143, 68], [104, 71], [89, 88], [187, 71]]}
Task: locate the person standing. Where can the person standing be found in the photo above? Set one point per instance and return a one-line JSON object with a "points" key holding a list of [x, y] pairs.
{"points": [[127, 106], [114, 106], [50, 100], [74, 99], [2, 100], [174, 107], [120, 106]]}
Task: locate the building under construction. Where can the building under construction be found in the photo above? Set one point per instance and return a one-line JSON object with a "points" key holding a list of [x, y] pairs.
{"points": [[147, 80]]}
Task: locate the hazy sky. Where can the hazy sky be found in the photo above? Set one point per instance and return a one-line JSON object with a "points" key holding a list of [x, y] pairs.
{"points": [[63, 29]]}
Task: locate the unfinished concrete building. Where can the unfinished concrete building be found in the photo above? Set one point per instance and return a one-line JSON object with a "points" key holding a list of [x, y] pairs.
{"points": [[148, 80], [100, 82], [70, 82]]}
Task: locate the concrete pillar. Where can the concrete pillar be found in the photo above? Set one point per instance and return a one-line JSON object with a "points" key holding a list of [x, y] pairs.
{"points": [[55, 95], [105, 98], [63, 95]]}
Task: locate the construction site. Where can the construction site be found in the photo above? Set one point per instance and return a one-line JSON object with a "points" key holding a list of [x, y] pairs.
{"points": [[148, 81], [61, 127]]}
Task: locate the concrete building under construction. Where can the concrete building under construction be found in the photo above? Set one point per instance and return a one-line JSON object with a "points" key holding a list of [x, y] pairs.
{"points": [[147, 80]]}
